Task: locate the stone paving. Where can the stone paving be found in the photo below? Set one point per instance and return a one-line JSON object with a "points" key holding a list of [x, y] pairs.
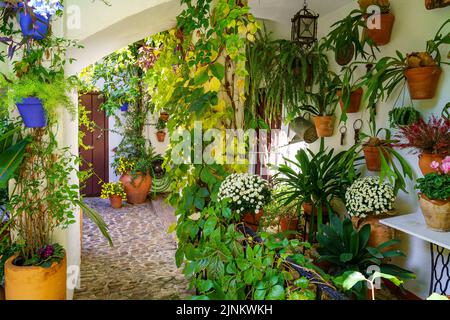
{"points": [[141, 265]]}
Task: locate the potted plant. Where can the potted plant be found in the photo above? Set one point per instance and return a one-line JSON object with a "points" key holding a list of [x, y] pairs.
{"points": [[380, 36], [350, 95], [247, 194], [164, 116], [313, 180], [136, 180], [34, 17], [403, 116], [115, 193], [431, 139], [161, 133], [434, 196], [345, 38], [287, 218], [367, 202]]}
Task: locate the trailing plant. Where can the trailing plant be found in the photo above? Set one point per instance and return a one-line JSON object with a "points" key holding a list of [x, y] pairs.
{"points": [[366, 196], [346, 249], [403, 116], [113, 189], [436, 185], [426, 137]]}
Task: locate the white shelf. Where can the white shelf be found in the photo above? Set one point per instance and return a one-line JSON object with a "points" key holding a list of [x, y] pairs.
{"points": [[414, 224]]}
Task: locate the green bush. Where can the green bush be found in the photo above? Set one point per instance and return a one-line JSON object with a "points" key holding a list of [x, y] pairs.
{"points": [[435, 186]]}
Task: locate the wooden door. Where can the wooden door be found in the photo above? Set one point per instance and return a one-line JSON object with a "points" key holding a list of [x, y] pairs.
{"points": [[98, 155]]}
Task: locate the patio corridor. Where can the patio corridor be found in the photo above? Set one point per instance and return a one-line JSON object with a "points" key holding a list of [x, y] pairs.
{"points": [[141, 265]]}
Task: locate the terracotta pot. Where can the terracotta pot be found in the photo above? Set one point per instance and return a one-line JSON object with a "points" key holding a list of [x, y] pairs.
{"points": [[373, 159], [164, 116], [116, 201], [355, 100], [252, 220], [382, 36], [436, 213], [345, 54], [307, 207], [324, 125], [161, 135], [423, 82], [289, 224], [425, 160], [35, 283], [137, 189], [380, 233]]}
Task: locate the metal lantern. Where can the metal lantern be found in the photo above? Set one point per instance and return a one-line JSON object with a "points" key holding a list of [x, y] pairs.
{"points": [[304, 26]]}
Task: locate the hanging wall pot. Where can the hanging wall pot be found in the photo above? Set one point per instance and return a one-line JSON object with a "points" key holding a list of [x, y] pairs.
{"points": [[344, 54], [32, 112], [434, 4], [124, 107], [33, 25], [324, 126], [382, 36], [423, 82], [355, 100]]}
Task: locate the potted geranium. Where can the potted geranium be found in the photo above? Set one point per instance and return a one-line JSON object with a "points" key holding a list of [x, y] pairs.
{"points": [[380, 36], [367, 201], [431, 139], [435, 196], [248, 194], [115, 193]]}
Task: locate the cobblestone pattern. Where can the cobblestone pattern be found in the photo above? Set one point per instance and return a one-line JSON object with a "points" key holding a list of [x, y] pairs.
{"points": [[140, 266]]}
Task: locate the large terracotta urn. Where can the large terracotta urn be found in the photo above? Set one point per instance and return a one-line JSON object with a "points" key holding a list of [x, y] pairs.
{"points": [[136, 188]]}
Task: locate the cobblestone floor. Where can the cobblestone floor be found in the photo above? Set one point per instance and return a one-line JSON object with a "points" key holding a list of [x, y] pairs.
{"points": [[141, 265]]}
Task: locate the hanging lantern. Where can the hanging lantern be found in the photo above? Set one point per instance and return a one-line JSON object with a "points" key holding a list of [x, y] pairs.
{"points": [[304, 26]]}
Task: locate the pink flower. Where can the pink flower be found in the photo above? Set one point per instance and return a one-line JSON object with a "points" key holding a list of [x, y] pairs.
{"points": [[435, 165], [446, 167], [446, 160]]}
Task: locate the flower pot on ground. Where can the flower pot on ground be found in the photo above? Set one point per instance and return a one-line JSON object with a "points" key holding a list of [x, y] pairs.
{"points": [[115, 193], [425, 161], [289, 224], [247, 194], [354, 102], [35, 282], [423, 82], [324, 125], [32, 112], [161, 136], [367, 202], [136, 186]]}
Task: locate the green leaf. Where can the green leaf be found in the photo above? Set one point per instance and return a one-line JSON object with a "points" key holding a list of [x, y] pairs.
{"points": [[218, 70], [389, 277], [352, 279], [346, 257], [210, 225], [10, 161], [276, 293], [199, 203]]}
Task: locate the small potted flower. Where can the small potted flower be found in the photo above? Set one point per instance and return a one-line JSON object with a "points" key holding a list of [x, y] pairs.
{"points": [[115, 192], [431, 139], [434, 196], [248, 194], [161, 133], [367, 202]]}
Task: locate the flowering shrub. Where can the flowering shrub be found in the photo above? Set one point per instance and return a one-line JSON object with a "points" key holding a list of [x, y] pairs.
{"points": [[43, 257], [45, 8], [125, 166], [429, 137], [367, 196], [436, 185], [112, 189], [248, 193]]}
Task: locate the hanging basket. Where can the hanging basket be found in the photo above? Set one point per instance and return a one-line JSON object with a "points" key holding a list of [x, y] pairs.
{"points": [[32, 112], [35, 27]]}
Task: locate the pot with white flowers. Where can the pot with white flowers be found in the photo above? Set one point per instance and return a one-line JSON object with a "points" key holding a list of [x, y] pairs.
{"points": [[434, 196], [247, 195], [368, 202]]}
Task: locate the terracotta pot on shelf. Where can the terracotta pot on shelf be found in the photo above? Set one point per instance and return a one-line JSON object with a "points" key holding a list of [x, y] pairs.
{"points": [[373, 159], [161, 136], [425, 160], [355, 100], [137, 190], [35, 283], [423, 82], [436, 213], [324, 125], [382, 36], [164, 116], [380, 233], [252, 220], [116, 201]]}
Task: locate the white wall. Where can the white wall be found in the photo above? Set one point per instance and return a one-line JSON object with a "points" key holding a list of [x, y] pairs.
{"points": [[414, 25]]}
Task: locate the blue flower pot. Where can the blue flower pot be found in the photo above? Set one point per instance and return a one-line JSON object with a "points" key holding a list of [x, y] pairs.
{"points": [[124, 107], [37, 29], [32, 112]]}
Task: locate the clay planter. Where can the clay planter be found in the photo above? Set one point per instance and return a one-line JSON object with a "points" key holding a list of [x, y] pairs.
{"points": [[324, 126], [288, 224], [373, 159], [116, 201], [164, 116], [137, 189], [423, 82], [161, 136], [425, 160], [382, 36], [35, 283], [380, 233], [345, 54], [436, 213], [355, 101], [252, 220]]}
